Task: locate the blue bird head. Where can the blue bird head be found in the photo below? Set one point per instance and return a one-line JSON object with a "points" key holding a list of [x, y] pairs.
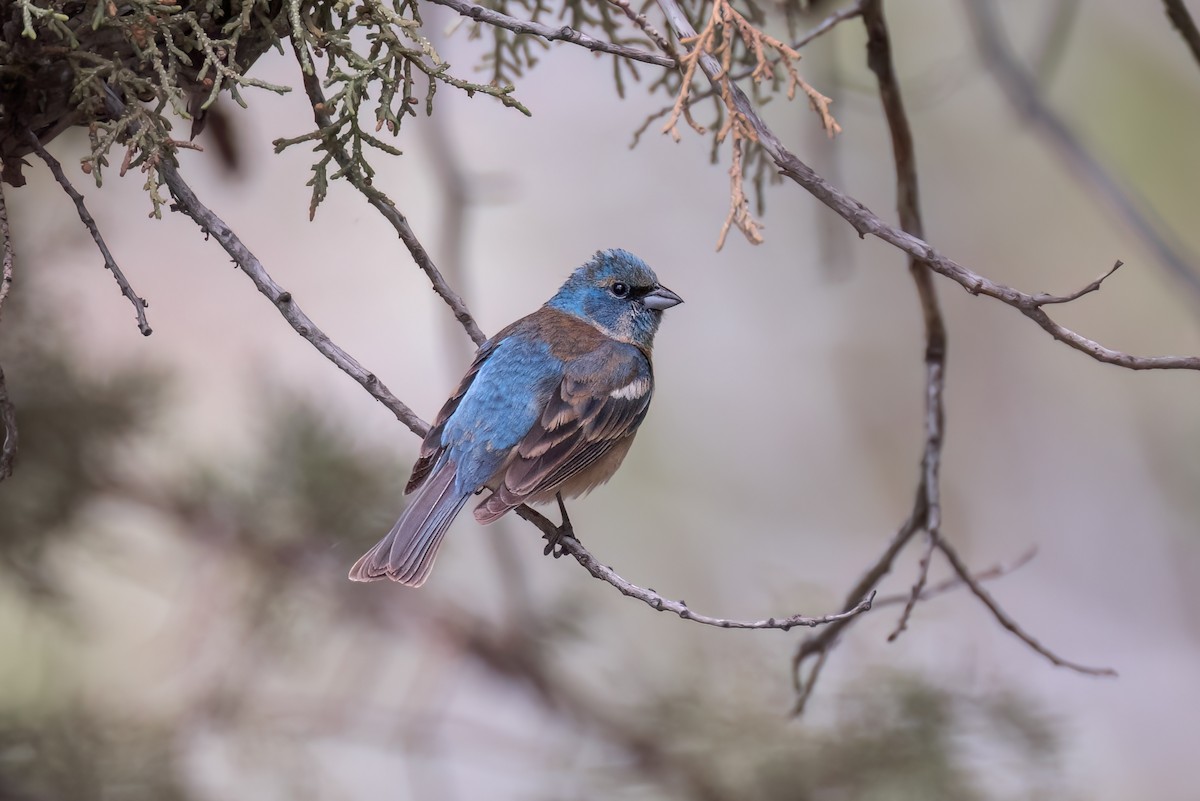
{"points": [[618, 293]]}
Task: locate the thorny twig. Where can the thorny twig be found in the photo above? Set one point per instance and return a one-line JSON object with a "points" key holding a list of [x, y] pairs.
{"points": [[110, 263]]}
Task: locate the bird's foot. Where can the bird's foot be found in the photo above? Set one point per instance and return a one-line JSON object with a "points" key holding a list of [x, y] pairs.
{"points": [[554, 545]]}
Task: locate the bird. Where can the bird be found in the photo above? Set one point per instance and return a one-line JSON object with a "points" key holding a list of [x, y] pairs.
{"points": [[548, 408]]}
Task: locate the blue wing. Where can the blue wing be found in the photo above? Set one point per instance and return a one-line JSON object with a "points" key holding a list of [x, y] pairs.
{"points": [[495, 404], [599, 403]]}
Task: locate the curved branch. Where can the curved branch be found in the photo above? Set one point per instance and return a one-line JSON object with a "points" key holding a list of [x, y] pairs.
{"points": [[1026, 100], [815, 648], [381, 202], [187, 203], [1183, 22], [563, 33], [110, 263], [652, 599], [879, 60], [570, 544], [867, 222], [1007, 622], [829, 23]]}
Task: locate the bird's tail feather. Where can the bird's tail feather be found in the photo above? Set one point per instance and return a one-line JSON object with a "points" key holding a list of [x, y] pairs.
{"points": [[406, 554]]}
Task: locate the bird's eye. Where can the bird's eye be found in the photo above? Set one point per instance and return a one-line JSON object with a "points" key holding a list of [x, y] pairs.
{"points": [[620, 289]]}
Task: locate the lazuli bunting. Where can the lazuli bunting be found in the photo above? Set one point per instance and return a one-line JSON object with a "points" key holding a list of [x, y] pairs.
{"points": [[550, 405]]}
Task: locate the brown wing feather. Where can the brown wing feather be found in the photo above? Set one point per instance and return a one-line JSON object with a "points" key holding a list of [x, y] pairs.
{"points": [[581, 423]]}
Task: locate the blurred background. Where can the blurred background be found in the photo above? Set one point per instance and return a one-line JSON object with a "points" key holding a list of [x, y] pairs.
{"points": [[175, 621]]}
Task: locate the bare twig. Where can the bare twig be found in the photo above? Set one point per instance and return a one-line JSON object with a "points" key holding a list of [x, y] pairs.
{"points": [[187, 203], [1027, 101], [8, 412], [1007, 622], [110, 263], [644, 25], [829, 23], [815, 647], [858, 214], [572, 546], [562, 33], [879, 59], [211, 224], [661, 604], [917, 592], [949, 585], [381, 202], [1044, 299], [867, 222], [1183, 22]]}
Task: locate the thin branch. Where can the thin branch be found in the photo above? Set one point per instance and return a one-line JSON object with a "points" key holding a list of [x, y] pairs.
{"points": [[1026, 99], [644, 25], [1044, 300], [832, 21], [815, 647], [918, 588], [110, 263], [1183, 22], [867, 222], [654, 600], [8, 412], [563, 33], [187, 203], [949, 585], [879, 59], [1007, 622], [381, 202]]}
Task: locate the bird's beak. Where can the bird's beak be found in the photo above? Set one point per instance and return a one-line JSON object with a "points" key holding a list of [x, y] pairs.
{"points": [[661, 298]]}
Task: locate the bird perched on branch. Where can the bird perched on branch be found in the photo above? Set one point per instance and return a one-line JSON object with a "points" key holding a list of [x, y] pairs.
{"points": [[550, 405]]}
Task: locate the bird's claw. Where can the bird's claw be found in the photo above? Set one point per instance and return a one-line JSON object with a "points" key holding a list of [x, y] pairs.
{"points": [[554, 546]]}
